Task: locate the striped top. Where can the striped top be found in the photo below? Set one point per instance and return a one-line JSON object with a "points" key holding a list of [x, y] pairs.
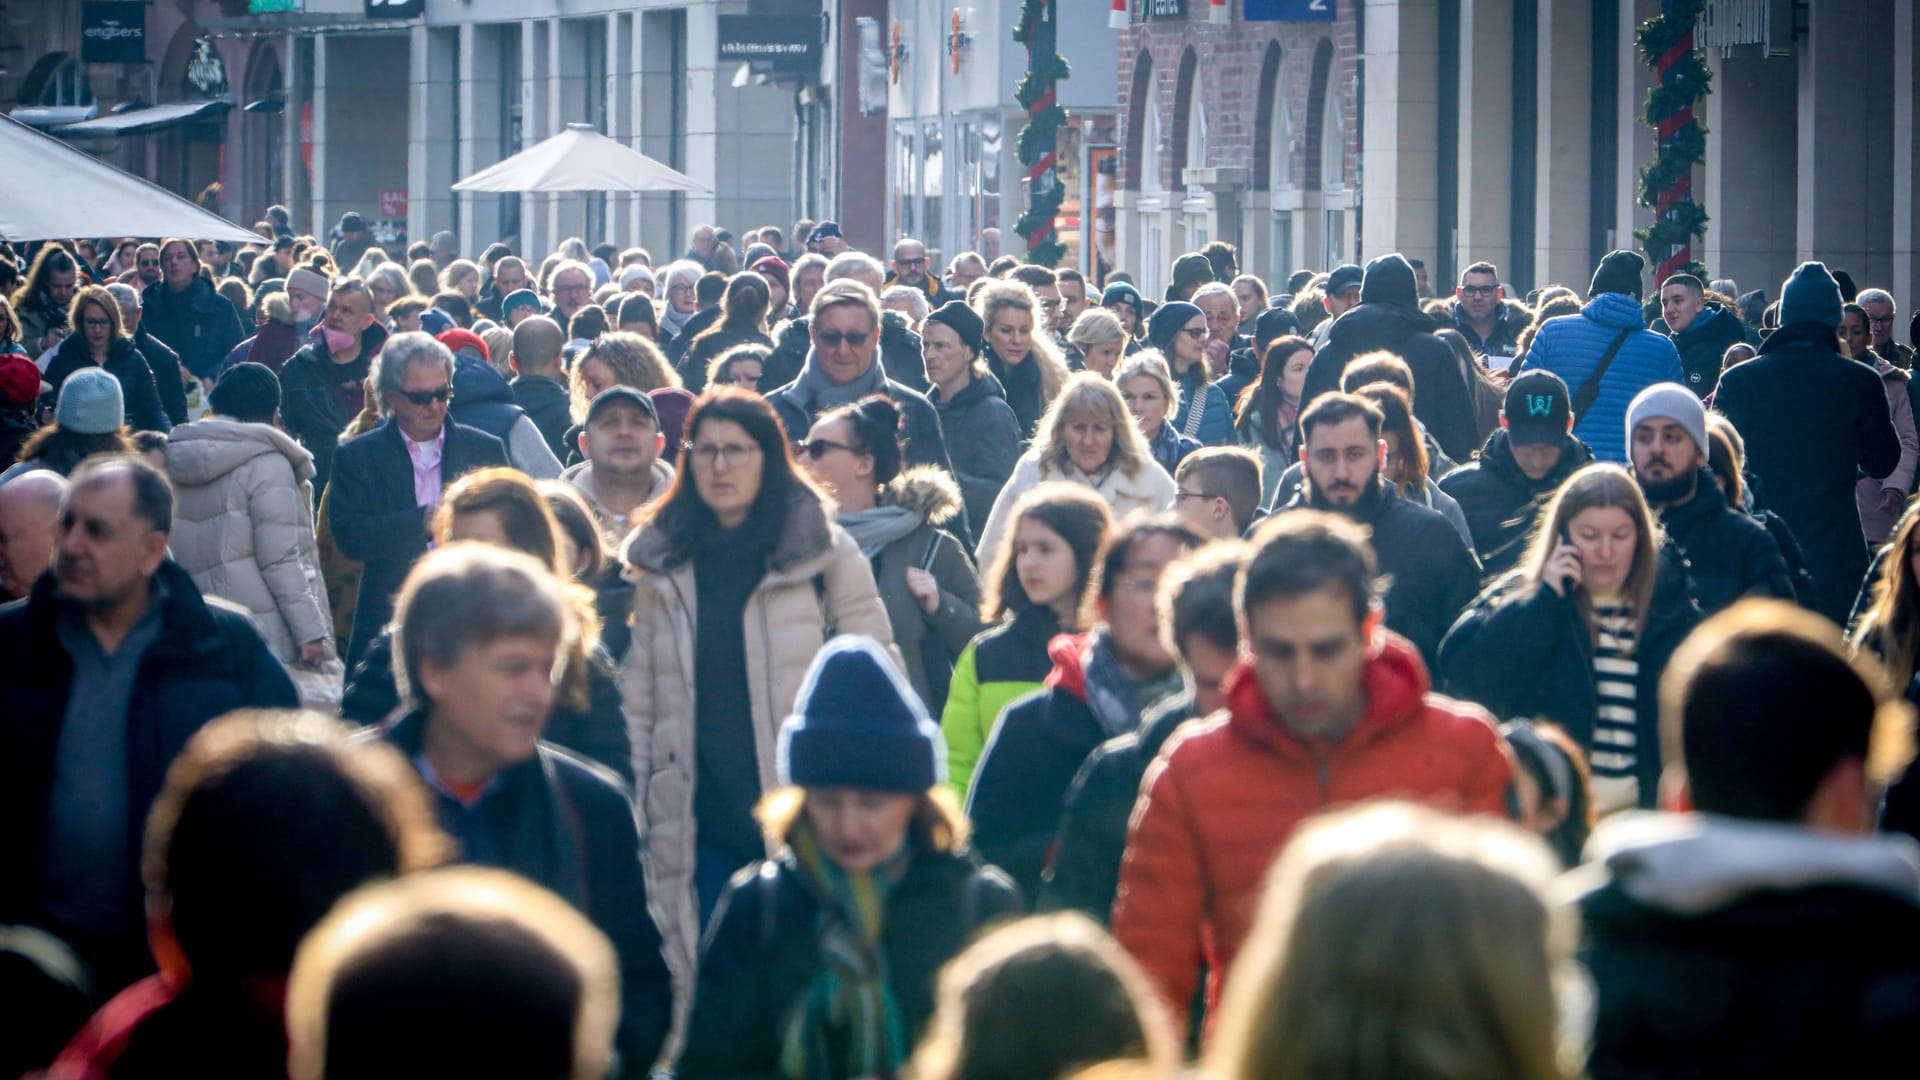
{"points": [[1616, 675]]}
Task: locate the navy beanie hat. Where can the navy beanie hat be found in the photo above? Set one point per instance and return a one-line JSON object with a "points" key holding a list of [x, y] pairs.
{"points": [[956, 316], [858, 724], [1167, 320], [1618, 272], [246, 390], [1810, 295]]}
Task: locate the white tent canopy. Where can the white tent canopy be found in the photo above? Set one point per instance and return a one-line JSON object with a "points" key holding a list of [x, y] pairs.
{"points": [[52, 191], [580, 159]]}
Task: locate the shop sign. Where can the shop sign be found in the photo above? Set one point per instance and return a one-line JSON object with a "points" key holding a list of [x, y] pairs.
{"points": [[113, 32]]}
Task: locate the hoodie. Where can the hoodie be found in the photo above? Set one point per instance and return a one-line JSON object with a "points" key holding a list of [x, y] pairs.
{"points": [[615, 527]]}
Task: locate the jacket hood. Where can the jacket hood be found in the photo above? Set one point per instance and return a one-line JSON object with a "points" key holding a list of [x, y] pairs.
{"points": [[1397, 685], [277, 308], [476, 383], [985, 385], [1389, 280], [1690, 864], [210, 448], [925, 490], [581, 477], [1802, 335], [1617, 310], [1371, 325], [806, 535]]}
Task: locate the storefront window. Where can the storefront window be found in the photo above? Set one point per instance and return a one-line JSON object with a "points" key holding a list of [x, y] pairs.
{"points": [[906, 185], [934, 180]]}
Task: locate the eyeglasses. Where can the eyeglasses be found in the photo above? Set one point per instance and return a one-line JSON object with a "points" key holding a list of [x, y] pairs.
{"points": [[424, 398], [97, 324], [1479, 290], [817, 448], [1182, 493], [833, 339], [149, 262], [671, 289], [1195, 332], [734, 454], [921, 261], [1885, 320]]}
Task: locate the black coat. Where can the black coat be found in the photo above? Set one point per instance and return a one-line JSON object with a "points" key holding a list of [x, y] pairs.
{"points": [[1433, 575], [547, 403], [1728, 555], [692, 365], [139, 395], [676, 347], [900, 355], [1084, 874], [377, 521], [983, 439], [165, 365], [310, 407], [755, 965], [1037, 747], [1524, 651], [1500, 502], [920, 437], [208, 660], [1020, 385], [197, 322], [1813, 421], [570, 826], [1703, 344]]}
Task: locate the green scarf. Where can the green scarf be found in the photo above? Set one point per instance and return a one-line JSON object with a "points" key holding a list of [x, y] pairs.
{"points": [[847, 1024]]}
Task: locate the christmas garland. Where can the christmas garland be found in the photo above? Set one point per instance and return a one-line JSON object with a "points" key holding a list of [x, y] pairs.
{"points": [[1666, 183], [1037, 144]]}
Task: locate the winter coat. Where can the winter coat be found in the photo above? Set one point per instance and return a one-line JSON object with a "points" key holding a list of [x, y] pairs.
{"points": [[696, 324], [274, 343], [1243, 370], [1433, 576], [196, 322], [1388, 317], [614, 530], [928, 644], [1500, 502], [1083, 872], [692, 365], [311, 388], [1877, 525], [377, 520], [167, 374], [243, 527], [1151, 489], [1170, 447], [1727, 948], [899, 354], [1729, 556], [983, 441], [763, 949], [1002, 664], [1571, 347], [1226, 793], [1502, 343], [138, 391], [569, 826], [36, 317], [1813, 422], [1524, 651], [816, 585], [548, 405], [206, 661], [1205, 415], [1702, 344], [483, 399], [1025, 387], [920, 436]]}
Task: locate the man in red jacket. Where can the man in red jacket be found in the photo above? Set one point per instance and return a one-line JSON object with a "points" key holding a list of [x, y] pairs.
{"points": [[1329, 709]]}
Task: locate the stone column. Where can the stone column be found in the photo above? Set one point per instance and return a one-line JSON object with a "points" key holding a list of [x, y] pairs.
{"points": [[1398, 151], [1485, 228], [1560, 244]]}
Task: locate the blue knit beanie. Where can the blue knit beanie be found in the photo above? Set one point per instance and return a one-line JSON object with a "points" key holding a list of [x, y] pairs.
{"points": [[858, 724], [1167, 320], [1810, 295]]}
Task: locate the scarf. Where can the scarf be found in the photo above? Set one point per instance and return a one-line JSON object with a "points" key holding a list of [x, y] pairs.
{"points": [[847, 1024], [815, 393], [874, 529], [672, 321], [1115, 698]]}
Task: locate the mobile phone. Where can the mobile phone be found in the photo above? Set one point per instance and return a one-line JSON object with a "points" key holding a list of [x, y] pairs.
{"points": [[1567, 584]]}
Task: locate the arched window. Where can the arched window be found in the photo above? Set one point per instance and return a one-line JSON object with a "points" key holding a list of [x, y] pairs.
{"points": [[1333, 143], [57, 80]]}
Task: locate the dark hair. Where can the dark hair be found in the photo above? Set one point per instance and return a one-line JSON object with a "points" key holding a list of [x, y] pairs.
{"points": [[575, 519], [152, 493], [494, 252], [266, 820], [1262, 398], [1693, 284], [1033, 275], [636, 307], [507, 494], [1303, 550], [1196, 596], [605, 252], [1120, 545], [1225, 472], [419, 249], [1377, 366], [1559, 769], [709, 288], [1003, 266], [248, 392], [1481, 267], [1074, 512], [1223, 258], [1338, 409], [52, 259], [146, 442], [1069, 274], [874, 424], [1298, 280], [689, 522], [1397, 419], [772, 236], [722, 365], [589, 323], [455, 305], [742, 308], [54, 447], [1866, 320]]}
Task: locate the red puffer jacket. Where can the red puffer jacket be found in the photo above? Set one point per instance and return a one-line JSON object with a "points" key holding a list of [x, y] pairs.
{"points": [[1224, 796]]}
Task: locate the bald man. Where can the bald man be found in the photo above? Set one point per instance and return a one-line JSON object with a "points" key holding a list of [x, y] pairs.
{"points": [[29, 520], [540, 384]]}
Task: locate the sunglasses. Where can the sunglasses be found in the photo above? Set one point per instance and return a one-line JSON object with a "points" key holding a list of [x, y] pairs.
{"points": [[1195, 332], [832, 339], [424, 398], [149, 262], [817, 448]]}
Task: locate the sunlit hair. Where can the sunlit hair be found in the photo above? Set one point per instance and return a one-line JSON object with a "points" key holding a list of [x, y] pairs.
{"points": [[1396, 941], [985, 1025], [1409, 471], [97, 297], [634, 360], [1727, 456], [1088, 397], [1891, 626], [994, 296], [1095, 327], [1597, 485], [1077, 515], [938, 822], [510, 496], [575, 519], [465, 595], [1151, 364]]}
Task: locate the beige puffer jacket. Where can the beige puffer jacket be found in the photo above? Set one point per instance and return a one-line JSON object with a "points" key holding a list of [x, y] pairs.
{"points": [[243, 527], [785, 626]]}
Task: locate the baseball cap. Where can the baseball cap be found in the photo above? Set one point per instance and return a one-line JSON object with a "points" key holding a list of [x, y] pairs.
{"points": [[824, 230], [1537, 408], [1343, 278], [619, 393]]}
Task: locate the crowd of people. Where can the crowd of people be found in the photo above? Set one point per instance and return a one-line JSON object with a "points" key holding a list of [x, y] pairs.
{"points": [[776, 661]]}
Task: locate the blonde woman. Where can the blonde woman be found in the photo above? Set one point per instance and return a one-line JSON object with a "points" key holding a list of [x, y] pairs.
{"points": [[1397, 941], [1086, 437], [1147, 389], [1580, 631], [1019, 352], [1101, 339]]}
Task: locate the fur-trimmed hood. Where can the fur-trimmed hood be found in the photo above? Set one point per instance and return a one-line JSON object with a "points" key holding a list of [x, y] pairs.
{"points": [[277, 308], [926, 490]]}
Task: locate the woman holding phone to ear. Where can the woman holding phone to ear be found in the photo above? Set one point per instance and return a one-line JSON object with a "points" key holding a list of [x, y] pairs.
{"points": [[1580, 632]]}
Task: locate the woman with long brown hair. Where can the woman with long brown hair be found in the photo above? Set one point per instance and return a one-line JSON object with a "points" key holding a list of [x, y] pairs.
{"points": [[1890, 630]]}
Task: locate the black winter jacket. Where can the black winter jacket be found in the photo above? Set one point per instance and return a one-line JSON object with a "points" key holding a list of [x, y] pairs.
{"points": [[197, 322], [1729, 555], [983, 439], [549, 406], [138, 392], [900, 355], [1501, 502], [165, 365], [310, 408], [694, 361], [756, 964], [922, 443], [1702, 344], [1020, 383]]}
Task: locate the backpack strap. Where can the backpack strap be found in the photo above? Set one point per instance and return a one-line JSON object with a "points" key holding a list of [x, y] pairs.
{"points": [[1590, 389]]}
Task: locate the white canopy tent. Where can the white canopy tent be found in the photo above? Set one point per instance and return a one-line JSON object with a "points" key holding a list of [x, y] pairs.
{"points": [[52, 191], [580, 159]]}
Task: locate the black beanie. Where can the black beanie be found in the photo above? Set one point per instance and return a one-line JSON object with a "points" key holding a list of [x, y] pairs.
{"points": [[857, 724], [956, 316], [247, 391], [1619, 272]]}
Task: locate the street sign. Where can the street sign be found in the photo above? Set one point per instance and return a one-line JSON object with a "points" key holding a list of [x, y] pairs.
{"points": [[785, 44], [1290, 10], [113, 32]]}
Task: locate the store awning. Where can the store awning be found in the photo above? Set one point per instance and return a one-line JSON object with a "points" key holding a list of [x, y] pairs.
{"points": [[52, 116], [142, 121]]}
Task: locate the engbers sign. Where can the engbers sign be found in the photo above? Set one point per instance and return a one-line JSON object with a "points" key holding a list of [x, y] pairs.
{"points": [[113, 32]]}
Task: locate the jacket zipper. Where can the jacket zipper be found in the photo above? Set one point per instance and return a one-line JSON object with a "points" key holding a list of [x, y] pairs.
{"points": [[1322, 773]]}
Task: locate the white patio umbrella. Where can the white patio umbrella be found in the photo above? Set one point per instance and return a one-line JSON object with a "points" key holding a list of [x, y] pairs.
{"points": [[580, 159], [52, 191]]}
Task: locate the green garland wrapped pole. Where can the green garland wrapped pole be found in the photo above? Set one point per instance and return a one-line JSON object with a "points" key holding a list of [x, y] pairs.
{"points": [[1037, 148], [1666, 185]]}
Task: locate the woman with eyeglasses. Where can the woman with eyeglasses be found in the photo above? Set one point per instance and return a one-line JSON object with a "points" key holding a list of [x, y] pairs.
{"points": [[96, 339], [739, 366], [682, 305], [1025, 360], [1149, 394], [743, 321], [1179, 331], [897, 515], [742, 575]]}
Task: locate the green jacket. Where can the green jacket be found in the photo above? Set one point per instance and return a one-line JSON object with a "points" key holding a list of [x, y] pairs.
{"points": [[1003, 663]]}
